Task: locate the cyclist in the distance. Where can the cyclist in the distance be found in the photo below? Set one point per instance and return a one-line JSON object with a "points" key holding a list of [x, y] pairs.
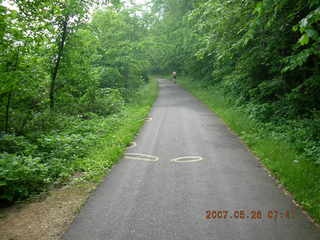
{"points": [[174, 77]]}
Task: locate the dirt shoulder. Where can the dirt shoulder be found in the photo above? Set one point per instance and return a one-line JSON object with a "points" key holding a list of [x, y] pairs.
{"points": [[44, 219]]}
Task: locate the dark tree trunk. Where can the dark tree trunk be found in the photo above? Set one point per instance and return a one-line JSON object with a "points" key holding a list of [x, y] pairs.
{"points": [[57, 62]]}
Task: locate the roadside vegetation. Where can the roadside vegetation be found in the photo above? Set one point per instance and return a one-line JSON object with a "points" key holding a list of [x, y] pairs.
{"points": [[85, 149], [72, 81], [255, 63]]}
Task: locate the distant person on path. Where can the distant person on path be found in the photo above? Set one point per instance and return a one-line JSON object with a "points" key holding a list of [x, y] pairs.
{"points": [[174, 77]]}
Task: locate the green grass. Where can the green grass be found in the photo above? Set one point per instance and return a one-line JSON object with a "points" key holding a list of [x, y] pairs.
{"points": [[112, 146], [299, 175]]}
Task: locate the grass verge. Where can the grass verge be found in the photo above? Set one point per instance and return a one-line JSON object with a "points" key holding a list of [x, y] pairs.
{"points": [[112, 146], [299, 175]]}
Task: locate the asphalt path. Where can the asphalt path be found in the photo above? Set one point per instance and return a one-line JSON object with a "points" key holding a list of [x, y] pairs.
{"points": [[186, 167]]}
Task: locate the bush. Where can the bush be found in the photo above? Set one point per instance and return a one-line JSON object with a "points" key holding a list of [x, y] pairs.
{"points": [[28, 165], [65, 146], [10, 143], [103, 101], [21, 176]]}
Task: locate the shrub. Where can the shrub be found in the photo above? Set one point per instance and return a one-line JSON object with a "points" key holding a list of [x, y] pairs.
{"points": [[103, 101], [10, 143], [21, 176]]}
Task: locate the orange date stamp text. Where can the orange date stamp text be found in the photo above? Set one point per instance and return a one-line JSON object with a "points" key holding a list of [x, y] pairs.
{"points": [[249, 214]]}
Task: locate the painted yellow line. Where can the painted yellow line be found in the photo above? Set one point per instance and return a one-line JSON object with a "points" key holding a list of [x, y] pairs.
{"points": [[141, 156], [187, 159]]}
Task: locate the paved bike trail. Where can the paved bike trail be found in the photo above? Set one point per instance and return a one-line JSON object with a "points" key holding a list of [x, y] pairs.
{"points": [[167, 197]]}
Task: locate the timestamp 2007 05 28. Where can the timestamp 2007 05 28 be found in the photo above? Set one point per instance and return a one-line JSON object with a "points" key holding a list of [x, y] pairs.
{"points": [[250, 214]]}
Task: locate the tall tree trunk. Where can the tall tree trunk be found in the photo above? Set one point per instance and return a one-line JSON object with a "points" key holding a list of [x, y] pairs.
{"points": [[55, 70]]}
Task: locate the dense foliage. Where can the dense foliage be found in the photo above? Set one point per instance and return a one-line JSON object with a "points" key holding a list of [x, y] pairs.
{"points": [[67, 76], [64, 70], [268, 49], [263, 53], [52, 57]]}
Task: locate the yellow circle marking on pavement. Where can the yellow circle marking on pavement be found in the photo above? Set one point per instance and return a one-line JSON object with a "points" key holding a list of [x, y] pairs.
{"points": [[141, 156], [187, 159]]}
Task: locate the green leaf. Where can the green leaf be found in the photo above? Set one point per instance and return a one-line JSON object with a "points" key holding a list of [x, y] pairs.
{"points": [[304, 40], [295, 28], [312, 33], [258, 8]]}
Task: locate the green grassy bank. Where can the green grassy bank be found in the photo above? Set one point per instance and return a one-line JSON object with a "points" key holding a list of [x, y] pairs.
{"points": [[112, 146], [278, 146]]}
